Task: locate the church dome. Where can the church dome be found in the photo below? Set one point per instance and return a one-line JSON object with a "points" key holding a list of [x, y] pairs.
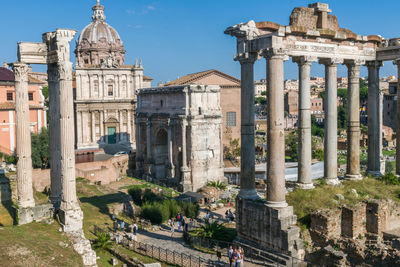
{"points": [[99, 42]]}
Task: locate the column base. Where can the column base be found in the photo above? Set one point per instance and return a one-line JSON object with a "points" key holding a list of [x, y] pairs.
{"points": [[274, 204], [250, 194], [305, 186], [24, 215], [354, 177], [375, 173], [332, 181], [71, 220]]}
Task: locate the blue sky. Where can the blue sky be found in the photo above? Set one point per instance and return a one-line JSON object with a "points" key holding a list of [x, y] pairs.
{"points": [[178, 37]]}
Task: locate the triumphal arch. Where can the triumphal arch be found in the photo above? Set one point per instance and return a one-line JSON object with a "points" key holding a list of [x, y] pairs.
{"points": [[312, 36]]}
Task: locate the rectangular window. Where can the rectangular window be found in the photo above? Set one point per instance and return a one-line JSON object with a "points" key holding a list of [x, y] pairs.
{"points": [[30, 95], [110, 90], [10, 97], [230, 119]]}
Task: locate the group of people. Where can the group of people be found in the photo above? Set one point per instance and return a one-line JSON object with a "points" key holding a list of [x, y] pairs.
{"points": [[120, 225], [180, 220], [229, 215], [236, 257]]}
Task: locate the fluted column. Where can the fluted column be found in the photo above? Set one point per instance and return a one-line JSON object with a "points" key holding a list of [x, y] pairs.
{"points": [[247, 157], [148, 139], [23, 136], [353, 120], [330, 130], [374, 120], [276, 188], [55, 154], [304, 175], [171, 167]]}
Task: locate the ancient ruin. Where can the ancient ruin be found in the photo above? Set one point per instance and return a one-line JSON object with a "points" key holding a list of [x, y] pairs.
{"points": [[55, 52], [179, 129], [312, 35]]}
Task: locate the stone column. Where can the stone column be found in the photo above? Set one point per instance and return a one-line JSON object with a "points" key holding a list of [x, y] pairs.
{"points": [[374, 120], [93, 120], [247, 157], [149, 158], [304, 174], [102, 126], [171, 167], [353, 120], [185, 171], [23, 137], [129, 126], [330, 133], [397, 62], [276, 188], [54, 127]]}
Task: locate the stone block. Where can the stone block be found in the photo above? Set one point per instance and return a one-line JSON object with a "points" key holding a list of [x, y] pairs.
{"points": [[43, 212], [325, 225], [25, 215], [353, 221], [71, 220]]}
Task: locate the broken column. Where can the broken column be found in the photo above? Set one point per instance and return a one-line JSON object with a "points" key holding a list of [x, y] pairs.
{"points": [[375, 120], [304, 174], [353, 120], [330, 107], [23, 135]]}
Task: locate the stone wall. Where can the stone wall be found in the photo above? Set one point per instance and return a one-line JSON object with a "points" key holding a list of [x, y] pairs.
{"points": [[98, 171], [369, 219]]}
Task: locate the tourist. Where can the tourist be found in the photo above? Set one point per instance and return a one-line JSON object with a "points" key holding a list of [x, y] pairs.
{"points": [[172, 227], [135, 229], [208, 215], [227, 215], [115, 224], [241, 251], [238, 258], [179, 225], [230, 256], [122, 225], [228, 202]]}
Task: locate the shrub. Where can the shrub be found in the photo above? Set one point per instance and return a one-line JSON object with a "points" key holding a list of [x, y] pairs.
{"points": [[391, 179], [156, 213], [318, 154], [11, 159], [191, 210], [216, 231], [149, 196], [136, 193], [173, 207], [102, 241], [217, 184]]}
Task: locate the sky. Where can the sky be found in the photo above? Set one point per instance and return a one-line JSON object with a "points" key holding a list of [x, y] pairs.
{"points": [[179, 37]]}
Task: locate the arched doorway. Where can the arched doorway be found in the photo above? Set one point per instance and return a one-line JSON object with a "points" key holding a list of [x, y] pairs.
{"points": [[161, 153]]}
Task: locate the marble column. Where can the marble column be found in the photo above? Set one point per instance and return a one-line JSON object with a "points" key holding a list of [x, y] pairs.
{"points": [[149, 158], [54, 127], [353, 120], [276, 188], [330, 130], [171, 168], [304, 174], [374, 119], [23, 138], [185, 171], [247, 157]]}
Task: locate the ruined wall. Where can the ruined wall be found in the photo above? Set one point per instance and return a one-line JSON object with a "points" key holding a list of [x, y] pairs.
{"points": [[325, 225]]}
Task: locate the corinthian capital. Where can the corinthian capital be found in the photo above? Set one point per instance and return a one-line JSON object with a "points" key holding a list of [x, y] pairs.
{"points": [[302, 60], [246, 58], [65, 70], [275, 53], [20, 71], [331, 61]]}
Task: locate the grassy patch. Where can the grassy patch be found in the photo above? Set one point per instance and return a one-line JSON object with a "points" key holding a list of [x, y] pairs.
{"points": [[323, 196], [168, 192], [389, 153]]}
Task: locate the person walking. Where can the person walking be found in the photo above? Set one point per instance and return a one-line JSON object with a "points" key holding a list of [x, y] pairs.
{"points": [[135, 229], [122, 225], [172, 227], [238, 258], [115, 225], [241, 251], [230, 256]]}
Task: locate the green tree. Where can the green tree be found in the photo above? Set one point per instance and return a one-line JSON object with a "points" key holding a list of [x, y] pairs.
{"points": [[363, 93], [316, 130], [40, 149], [45, 92], [264, 93], [261, 100], [342, 117], [233, 151], [318, 154], [292, 145]]}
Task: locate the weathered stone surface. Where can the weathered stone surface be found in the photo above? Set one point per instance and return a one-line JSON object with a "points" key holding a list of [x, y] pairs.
{"points": [[353, 221], [43, 212], [325, 225], [377, 215], [24, 215]]}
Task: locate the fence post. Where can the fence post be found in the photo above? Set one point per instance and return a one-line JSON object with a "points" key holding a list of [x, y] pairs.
{"points": [[190, 260], [199, 262], [152, 251]]}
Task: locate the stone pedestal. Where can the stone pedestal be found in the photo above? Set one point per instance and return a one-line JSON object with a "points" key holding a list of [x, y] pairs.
{"points": [[268, 227], [24, 215], [186, 184], [71, 219]]}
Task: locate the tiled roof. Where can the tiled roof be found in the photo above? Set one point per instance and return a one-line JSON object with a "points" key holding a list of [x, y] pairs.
{"points": [[147, 78], [11, 106], [32, 79], [6, 75], [195, 76]]}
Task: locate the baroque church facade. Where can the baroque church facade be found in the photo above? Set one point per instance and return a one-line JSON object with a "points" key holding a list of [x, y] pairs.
{"points": [[105, 92]]}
